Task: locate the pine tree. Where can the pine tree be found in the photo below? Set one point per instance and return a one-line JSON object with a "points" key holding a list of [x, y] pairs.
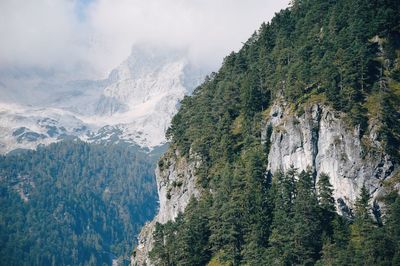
{"points": [[362, 228], [229, 227], [194, 233], [393, 228], [258, 208], [335, 250], [281, 238], [362, 207], [307, 227], [326, 203], [159, 254]]}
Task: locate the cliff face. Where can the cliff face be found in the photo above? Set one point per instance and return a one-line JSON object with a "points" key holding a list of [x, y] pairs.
{"points": [[318, 138], [321, 139], [176, 185]]}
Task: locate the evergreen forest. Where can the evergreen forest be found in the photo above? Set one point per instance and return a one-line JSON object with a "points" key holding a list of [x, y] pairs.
{"points": [[341, 53], [73, 203]]}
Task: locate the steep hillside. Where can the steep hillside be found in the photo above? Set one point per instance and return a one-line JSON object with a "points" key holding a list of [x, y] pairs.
{"points": [[74, 203], [299, 125]]}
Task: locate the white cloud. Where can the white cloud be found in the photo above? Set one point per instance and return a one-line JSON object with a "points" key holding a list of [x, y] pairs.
{"points": [[51, 33], [38, 33]]}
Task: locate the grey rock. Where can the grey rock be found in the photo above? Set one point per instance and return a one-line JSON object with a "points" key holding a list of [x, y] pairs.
{"points": [[176, 186], [321, 139]]}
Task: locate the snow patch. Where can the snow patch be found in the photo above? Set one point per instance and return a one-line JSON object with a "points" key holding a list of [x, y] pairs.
{"points": [[135, 104]]}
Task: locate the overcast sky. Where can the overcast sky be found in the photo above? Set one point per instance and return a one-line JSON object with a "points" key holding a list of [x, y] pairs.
{"points": [[90, 37]]}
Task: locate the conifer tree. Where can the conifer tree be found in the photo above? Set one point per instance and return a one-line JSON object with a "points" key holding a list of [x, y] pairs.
{"points": [[194, 233], [326, 203], [258, 207], [393, 228], [159, 254], [362, 228], [281, 238], [307, 227]]}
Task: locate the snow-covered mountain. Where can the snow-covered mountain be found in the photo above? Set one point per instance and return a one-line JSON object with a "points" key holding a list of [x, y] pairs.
{"points": [[135, 104]]}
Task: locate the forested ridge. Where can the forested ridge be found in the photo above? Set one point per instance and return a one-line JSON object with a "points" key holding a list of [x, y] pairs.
{"points": [[73, 203], [341, 53]]}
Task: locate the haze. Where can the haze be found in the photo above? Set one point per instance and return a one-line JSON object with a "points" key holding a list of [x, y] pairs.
{"points": [[85, 39]]}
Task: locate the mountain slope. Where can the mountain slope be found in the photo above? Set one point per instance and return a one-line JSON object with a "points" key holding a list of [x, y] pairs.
{"points": [[317, 88], [134, 104], [24, 127]]}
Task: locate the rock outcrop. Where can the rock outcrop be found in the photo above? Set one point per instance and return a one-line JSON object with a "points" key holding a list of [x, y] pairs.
{"points": [[321, 138], [176, 184]]}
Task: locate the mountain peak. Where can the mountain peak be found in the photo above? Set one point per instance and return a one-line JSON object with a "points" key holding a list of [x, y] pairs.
{"points": [[135, 104]]}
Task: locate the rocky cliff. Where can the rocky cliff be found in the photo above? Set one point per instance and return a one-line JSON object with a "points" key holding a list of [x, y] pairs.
{"points": [[321, 138], [317, 137], [176, 184]]}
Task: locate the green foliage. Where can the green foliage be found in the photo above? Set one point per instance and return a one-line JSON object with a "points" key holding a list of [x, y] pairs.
{"points": [[281, 238], [393, 228], [83, 203], [363, 241], [325, 192], [390, 130], [343, 52], [184, 241], [300, 227], [307, 222]]}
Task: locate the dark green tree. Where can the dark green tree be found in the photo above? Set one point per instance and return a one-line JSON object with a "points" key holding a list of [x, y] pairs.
{"points": [[326, 203], [362, 228], [281, 238], [307, 225], [194, 233]]}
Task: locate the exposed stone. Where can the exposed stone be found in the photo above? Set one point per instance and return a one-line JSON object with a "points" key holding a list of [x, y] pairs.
{"points": [[321, 139], [176, 186]]}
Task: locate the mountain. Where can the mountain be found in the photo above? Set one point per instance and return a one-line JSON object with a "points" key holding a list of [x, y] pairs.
{"points": [[134, 104], [24, 127], [289, 154]]}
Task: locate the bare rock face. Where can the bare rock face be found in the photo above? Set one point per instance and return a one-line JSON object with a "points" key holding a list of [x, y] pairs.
{"points": [[176, 186], [321, 139]]}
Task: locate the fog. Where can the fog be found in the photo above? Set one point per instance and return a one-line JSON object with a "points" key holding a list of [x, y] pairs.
{"points": [[87, 38]]}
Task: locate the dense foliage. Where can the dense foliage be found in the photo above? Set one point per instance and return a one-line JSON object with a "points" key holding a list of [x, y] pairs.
{"points": [[343, 53], [280, 222], [74, 203], [346, 52]]}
